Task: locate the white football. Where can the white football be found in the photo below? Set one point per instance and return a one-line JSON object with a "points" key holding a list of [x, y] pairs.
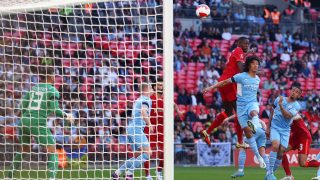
{"points": [[203, 11]]}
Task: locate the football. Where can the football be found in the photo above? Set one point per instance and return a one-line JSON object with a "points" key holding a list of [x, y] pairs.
{"points": [[203, 11]]}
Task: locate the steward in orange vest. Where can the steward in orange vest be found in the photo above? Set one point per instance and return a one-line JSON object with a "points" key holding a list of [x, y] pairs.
{"points": [[275, 16]]}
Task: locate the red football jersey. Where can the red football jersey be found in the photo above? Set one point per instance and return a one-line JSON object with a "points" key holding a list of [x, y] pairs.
{"points": [[298, 127], [157, 108], [232, 67], [156, 115]]}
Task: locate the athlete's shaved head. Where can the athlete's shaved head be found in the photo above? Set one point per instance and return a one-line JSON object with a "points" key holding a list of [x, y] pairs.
{"points": [[243, 43]]}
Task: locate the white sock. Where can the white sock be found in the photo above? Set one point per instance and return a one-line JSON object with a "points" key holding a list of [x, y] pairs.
{"points": [[117, 172]]}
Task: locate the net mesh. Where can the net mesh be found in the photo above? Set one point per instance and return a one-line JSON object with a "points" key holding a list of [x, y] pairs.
{"points": [[101, 52]]}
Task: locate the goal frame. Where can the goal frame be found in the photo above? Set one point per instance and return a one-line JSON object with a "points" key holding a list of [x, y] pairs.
{"points": [[167, 64]]}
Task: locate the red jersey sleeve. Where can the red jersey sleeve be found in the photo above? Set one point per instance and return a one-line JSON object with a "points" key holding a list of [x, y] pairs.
{"points": [[238, 55]]}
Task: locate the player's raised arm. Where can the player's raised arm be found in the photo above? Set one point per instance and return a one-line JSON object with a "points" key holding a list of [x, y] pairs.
{"points": [[219, 84], [285, 113]]}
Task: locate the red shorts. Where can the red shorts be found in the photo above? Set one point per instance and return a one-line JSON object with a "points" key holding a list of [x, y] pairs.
{"points": [[156, 142], [302, 144], [228, 92]]}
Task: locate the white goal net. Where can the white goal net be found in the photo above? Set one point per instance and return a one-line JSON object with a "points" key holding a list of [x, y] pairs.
{"points": [[100, 53]]}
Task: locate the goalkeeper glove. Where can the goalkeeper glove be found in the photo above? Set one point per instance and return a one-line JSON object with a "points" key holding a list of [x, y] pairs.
{"points": [[69, 117]]}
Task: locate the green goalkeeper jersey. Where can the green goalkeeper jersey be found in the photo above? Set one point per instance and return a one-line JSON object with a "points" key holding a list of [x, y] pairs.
{"points": [[41, 102]]}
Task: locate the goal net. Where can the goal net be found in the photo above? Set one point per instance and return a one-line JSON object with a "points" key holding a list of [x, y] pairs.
{"points": [[101, 52]]}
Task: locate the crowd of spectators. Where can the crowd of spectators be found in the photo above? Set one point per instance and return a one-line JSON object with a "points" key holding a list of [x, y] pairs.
{"points": [[223, 9], [97, 78], [287, 58], [99, 64], [232, 17]]}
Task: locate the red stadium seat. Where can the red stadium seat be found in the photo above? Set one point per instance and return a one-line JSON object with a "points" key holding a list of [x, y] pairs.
{"points": [[317, 82], [224, 42], [197, 42], [66, 62], [196, 125], [310, 84]]}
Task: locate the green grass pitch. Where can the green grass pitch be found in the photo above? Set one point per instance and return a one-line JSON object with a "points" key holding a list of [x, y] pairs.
{"points": [[88, 174], [224, 173], [180, 173]]}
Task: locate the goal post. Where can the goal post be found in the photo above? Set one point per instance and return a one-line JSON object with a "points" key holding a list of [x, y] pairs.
{"points": [[101, 52], [168, 88]]}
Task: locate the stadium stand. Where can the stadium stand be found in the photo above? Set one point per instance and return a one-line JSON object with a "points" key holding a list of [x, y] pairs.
{"points": [[289, 57]]}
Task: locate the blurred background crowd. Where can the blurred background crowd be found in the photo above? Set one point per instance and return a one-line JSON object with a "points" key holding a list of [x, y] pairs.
{"points": [[287, 41], [100, 61]]}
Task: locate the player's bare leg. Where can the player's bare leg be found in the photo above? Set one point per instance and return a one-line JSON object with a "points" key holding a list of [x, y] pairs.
{"points": [[303, 162]]}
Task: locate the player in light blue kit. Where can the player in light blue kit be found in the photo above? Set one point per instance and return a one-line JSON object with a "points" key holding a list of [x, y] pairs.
{"points": [[284, 109], [261, 139], [247, 105], [136, 137]]}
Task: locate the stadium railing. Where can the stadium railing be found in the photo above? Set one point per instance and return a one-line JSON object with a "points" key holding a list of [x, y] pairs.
{"points": [[188, 154]]}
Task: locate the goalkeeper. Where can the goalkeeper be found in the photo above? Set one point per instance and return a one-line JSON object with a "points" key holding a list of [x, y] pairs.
{"points": [[37, 105]]}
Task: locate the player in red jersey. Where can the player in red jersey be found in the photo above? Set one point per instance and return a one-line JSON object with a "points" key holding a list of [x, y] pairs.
{"points": [[300, 139], [228, 93], [156, 139]]}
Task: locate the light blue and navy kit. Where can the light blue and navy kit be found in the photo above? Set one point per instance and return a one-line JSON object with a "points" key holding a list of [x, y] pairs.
{"points": [[136, 136], [260, 135], [247, 88], [280, 126]]}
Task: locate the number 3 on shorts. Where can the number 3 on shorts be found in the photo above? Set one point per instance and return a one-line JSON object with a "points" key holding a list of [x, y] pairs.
{"points": [[35, 100], [300, 147]]}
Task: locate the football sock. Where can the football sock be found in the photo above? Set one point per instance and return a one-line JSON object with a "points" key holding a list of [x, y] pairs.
{"points": [[285, 165], [147, 167], [266, 160], [272, 160], [242, 159], [160, 156], [239, 130], [277, 164], [126, 165], [253, 145], [217, 122]]}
